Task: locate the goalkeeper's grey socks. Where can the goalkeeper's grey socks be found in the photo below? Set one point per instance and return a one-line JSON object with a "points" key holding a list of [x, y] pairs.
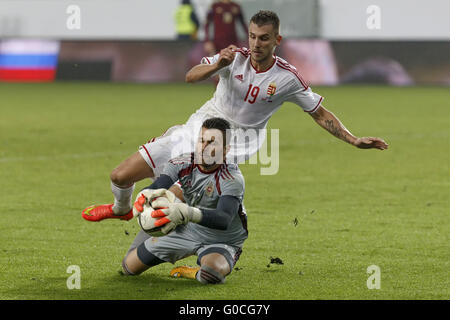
{"points": [[122, 198], [207, 275]]}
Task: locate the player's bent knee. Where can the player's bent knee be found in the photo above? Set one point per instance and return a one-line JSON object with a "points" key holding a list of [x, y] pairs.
{"points": [[221, 268], [131, 265], [125, 269], [208, 275], [217, 262], [120, 178], [138, 260]]}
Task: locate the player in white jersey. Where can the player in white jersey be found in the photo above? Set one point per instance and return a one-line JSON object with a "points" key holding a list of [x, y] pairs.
{"points": [[249, 97], [211, 223], [253, 84]]}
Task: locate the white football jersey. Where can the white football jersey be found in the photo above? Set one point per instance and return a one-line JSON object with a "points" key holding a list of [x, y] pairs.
{"points": [[249, 97]]}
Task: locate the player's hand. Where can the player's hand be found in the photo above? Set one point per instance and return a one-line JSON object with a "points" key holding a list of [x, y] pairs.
{"points": [[174, 214], [370, 142], [226, 56], [146, 196]]}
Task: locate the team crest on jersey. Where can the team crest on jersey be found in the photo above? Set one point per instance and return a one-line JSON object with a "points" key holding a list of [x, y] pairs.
{"points": [[271, 91], [209, 189]]}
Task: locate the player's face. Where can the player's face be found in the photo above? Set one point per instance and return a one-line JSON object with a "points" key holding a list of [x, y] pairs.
{"points": [[210, 148], [262, 41]]}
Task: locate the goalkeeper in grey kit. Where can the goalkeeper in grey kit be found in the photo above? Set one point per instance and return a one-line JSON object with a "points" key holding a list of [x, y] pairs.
{"points": [[211, 223]]}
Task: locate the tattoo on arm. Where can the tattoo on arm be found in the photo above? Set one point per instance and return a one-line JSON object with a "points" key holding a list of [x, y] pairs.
{"points": [[333, 129], [329, 122]]}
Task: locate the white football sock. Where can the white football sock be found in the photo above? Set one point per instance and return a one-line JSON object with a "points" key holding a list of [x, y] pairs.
{"points": [[122, 198]]}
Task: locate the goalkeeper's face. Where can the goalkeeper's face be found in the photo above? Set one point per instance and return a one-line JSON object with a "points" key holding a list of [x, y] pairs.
{"points": [[211, 149]]}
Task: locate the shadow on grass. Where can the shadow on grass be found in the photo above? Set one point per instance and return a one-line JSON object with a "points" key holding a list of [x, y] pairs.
{"points": [[113, 286]]}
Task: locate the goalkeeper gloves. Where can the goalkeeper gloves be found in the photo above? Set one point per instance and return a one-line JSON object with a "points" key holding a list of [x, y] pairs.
{"points": [[146, 196], [173, 214]]}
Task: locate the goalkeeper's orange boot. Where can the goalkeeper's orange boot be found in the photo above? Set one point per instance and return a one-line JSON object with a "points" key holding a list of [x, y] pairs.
{"points": [[103, 211], [184, 272]]}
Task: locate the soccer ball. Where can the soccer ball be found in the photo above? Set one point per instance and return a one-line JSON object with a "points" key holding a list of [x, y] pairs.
{"points": [[147, 223], [144, 218]]}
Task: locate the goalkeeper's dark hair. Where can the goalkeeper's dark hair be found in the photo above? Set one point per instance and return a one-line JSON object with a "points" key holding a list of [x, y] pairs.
{"points": [[264, 17], [219, 124]]}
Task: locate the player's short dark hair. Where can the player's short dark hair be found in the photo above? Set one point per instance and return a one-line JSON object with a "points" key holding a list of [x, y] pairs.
{"points": [[219, 124], [264, 17]]}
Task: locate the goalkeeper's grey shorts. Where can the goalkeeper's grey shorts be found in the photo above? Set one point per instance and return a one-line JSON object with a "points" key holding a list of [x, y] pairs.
{"points": [[178, 245]]}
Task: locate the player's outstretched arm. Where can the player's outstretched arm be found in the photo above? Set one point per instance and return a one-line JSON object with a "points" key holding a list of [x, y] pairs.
{"points": [[204, 71], [327, 120]]}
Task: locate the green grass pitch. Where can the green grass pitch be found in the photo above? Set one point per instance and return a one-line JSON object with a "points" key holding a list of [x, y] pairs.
{"points": [[354, 208]]}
